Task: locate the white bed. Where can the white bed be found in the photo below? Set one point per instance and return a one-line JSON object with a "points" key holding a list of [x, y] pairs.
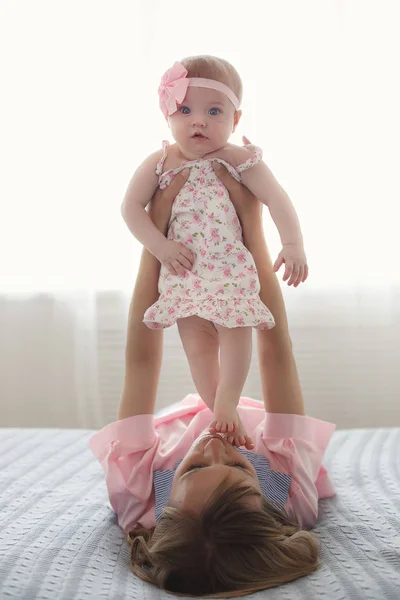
{"points": [[59, 539]]}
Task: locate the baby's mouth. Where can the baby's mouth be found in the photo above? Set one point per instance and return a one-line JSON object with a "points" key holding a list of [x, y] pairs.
{"points": [[199, 136]]}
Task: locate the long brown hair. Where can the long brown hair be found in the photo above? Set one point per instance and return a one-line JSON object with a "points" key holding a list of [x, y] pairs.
{"points": [[229, 550]]}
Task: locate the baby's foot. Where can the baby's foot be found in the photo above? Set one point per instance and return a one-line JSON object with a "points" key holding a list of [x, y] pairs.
{"points": [[225, 419], [240, 438]]}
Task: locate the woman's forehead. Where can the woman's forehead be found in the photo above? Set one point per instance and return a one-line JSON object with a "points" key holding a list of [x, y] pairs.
{"points": [[194, 490]]}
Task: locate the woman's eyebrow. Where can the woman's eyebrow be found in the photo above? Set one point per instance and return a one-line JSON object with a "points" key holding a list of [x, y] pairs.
{"points": [[195, 470]]}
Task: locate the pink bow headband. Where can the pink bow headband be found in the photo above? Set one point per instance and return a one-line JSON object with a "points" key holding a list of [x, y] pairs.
{"points": [[174, 85]]}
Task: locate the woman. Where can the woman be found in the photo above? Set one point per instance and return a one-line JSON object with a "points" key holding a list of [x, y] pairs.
{"points": [[204, 518]]}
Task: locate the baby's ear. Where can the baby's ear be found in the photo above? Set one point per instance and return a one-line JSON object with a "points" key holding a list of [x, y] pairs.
{"points": [[236, 119]]}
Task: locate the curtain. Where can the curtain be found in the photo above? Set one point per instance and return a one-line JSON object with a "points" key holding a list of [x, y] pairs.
{"points": [[80, 112]]}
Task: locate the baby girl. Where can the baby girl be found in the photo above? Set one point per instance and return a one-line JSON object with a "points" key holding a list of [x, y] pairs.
{"points": [[208, 281]]}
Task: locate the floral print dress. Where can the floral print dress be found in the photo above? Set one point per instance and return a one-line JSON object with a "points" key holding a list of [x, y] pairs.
{"points": [[223, 285]]}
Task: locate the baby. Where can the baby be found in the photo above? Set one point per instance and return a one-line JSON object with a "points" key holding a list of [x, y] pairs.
{"points": [[208, 281]]}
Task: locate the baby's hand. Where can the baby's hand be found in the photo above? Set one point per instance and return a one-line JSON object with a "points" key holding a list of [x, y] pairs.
{"points": [[240, 438], [225, 419], [176, 258], [295, 260]]}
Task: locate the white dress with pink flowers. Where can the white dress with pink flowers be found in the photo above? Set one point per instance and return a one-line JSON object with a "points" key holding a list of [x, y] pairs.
{"points": [[223, 285]]}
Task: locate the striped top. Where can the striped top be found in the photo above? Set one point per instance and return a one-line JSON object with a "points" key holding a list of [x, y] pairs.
{"points": [[139, 456], [274, 485]]}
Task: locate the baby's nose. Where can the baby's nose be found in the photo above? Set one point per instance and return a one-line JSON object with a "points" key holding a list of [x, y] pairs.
{"points": [[198, 121]]}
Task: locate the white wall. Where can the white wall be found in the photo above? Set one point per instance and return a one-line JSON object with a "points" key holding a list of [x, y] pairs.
{"points": [[62, 359]]}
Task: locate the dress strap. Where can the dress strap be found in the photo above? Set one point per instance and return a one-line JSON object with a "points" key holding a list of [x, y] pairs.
{"points": [[255, 158], [160, 164], [232, 170]]}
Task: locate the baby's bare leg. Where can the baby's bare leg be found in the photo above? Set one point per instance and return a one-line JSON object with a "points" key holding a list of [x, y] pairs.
{"points": [[235, 357], [200, 342]]}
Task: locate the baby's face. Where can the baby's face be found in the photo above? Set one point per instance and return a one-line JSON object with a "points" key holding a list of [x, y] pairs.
{"points": [[210, 459], [203, 122]]}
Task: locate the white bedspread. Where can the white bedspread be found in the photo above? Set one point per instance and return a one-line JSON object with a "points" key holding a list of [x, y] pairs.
{"points": [[59, 539]]}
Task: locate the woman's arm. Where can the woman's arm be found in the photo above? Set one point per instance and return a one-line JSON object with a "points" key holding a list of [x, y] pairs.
{"points": [[143, 352], [280, 382]]}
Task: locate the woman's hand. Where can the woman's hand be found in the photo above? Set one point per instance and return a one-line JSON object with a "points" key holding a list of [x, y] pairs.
{"points": [[248, 208], [162, 201]]}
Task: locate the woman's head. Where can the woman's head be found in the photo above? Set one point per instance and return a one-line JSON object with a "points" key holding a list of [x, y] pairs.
{"points": [[219, 536], [206, 112], [210, 460]]}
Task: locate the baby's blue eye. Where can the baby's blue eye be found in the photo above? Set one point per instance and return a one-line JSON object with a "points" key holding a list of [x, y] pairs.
{"points": [[184, 110], [214, 111]]}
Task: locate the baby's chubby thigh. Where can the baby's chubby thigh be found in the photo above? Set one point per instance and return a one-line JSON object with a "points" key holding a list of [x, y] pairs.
{"points": [[201, 344]]}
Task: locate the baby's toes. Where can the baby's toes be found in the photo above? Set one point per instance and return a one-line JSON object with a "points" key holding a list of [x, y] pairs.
{"points": [[238, 441], [248, 443]]}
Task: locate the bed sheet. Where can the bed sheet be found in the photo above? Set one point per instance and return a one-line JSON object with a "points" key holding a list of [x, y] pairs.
{"points": [[59, 539]]}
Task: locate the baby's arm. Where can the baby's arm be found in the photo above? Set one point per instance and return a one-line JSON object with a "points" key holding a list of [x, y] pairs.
{"points": [[138, 195], [262, 183], [140, 191]]}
